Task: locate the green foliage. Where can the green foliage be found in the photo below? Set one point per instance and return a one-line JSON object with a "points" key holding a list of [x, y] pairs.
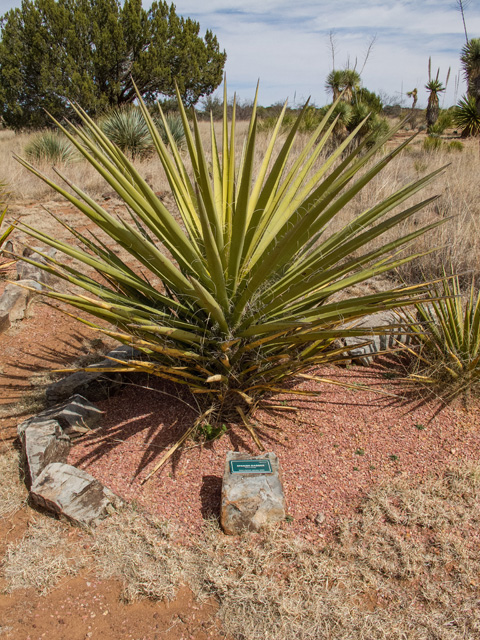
{"points": [[455, 145], [444, 121], [51, 147], [207, 432], [431, 144], [4, 265], [126, 127], [368, 98], [448, 333], [345, 81], [175, 128], [466, 117], [89, 51], [251, 274], [471, 65]]}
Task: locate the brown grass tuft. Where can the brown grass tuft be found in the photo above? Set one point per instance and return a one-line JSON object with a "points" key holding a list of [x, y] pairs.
{"points": [[12, 491], [41, 558], [140, 551]]}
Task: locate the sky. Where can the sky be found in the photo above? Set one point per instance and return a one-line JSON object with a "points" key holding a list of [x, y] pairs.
{"points": [[286, 44]]}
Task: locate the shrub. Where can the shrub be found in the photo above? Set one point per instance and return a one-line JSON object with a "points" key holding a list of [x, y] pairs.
{"points": [[51, 147], [448, 333], [251, 277], [445, 121], [466, 117], [126, 127], [431, 144], [455, 145], [175, 127]]}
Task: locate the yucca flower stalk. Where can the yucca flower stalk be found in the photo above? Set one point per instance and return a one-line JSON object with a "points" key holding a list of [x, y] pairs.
{"points": [[448, 334], [250, 272]]}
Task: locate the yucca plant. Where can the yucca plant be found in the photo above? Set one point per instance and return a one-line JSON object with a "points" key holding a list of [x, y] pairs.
{"points": [[251, 275], [448, 333], [51, 147], [466, 117], [127, 129], [175, 127], [434, 88]]}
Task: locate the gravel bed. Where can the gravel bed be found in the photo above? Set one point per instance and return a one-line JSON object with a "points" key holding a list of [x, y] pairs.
{"points": [[332, 450]]}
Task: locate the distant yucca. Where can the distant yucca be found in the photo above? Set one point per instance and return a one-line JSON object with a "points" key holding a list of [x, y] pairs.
{"points": [[126, 128], [51, 147]]}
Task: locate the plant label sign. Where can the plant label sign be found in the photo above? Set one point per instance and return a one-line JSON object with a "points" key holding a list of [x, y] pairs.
{"points": [[251, 466]]}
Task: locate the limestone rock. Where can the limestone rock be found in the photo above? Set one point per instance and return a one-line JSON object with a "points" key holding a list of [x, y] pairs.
{"points": [[364, 354], [73, 494], [92, 385], [43, 442], [75, 416], [15, 299], [251, 500], [27, 271], [4, 319]]}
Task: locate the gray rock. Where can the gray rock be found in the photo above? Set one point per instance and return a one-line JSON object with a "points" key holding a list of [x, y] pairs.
{"points": [[27, 271], [4, 319], [319, 518], [251, 501], [371, 344], [15, 299], [92, 385], [73, 494], [43, 442], [75, 416]]}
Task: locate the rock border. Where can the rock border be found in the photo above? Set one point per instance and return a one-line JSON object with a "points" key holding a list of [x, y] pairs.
{"points": [[68, 492]]}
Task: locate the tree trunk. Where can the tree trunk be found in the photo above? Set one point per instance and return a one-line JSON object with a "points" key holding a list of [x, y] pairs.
{"points": [[432, 110]]}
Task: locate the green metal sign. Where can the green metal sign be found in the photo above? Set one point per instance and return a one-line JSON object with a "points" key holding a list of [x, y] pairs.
{"points": [[250, 466]]}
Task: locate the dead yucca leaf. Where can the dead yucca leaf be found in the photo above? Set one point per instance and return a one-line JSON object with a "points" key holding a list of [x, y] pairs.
{"points": [[250, 271]]}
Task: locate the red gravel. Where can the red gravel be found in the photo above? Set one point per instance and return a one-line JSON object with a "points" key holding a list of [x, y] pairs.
{"points": [[332, 451]]}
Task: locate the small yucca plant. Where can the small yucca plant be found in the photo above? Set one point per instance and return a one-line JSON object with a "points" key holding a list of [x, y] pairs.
{"points": [[466, 117], [127, 129], [251, 274], [448, 333], [175, 127], [51, 147]]}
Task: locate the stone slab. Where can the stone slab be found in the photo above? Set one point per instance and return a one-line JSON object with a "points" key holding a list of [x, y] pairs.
{"points": [[4, 320], [76, 416], [43, 443], [91, 384], [73, 494], [27, 271], [251, 500], [374, 343]]}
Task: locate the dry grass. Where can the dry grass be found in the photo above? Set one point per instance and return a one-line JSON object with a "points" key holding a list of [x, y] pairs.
{"points": [[12, 491], [139, 550], [458, 188], [407, 566], [41, 558]]}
